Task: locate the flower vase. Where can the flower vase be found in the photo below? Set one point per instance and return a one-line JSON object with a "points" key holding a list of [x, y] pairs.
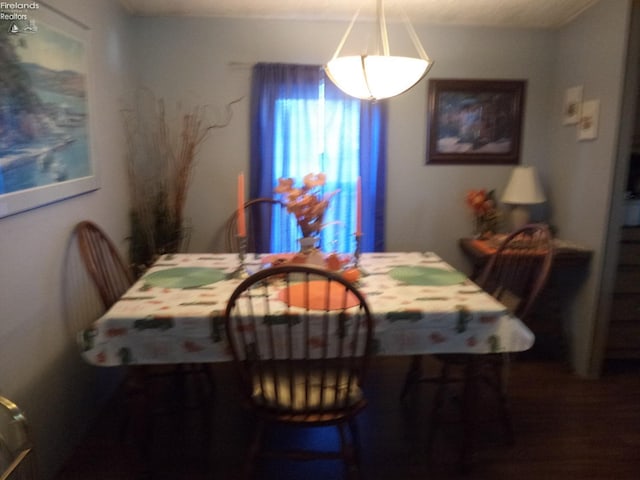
{"points": [[309, 248], [483, 229], [477, 227], [307, 244]]}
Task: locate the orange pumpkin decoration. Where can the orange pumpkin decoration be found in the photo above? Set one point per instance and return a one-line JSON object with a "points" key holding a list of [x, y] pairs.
{"points": [[351, 275], [333, 262]]}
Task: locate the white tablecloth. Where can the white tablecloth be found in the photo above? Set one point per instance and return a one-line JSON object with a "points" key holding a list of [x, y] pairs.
{"points": [[173, 314]]}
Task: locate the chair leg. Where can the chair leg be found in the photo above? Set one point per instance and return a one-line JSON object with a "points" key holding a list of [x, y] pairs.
{"points": [[413, 375], [502, 373], [137, 423], [209, 378], [469, 412], [203, 384], [496, 378], [254, 450], [357, 445], [438, 400], [205, 400], [350, 456]]}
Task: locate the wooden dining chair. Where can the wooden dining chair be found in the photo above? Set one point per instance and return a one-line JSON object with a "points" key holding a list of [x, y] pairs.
{"points": [[259, 213], [515, 275], [301, 338], [17, 460], [517, 272], [108, 271], [112, 278]]}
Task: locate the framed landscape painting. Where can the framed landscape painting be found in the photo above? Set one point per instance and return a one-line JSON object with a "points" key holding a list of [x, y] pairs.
{"points": [[45, 148], [474, 121]]}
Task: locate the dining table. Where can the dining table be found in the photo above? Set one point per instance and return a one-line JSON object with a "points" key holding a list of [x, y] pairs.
{"points": [[174, 313]]}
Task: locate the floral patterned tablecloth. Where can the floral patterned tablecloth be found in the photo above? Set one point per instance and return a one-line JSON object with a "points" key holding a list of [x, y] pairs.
{"points": [[421, 305]]}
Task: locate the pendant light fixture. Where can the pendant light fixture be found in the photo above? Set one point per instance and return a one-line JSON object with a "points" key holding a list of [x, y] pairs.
{"points": [[378, 76]]}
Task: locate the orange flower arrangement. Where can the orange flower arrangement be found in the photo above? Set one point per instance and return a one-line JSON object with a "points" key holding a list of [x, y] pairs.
{"points": [[485, 212], [306, 201]]}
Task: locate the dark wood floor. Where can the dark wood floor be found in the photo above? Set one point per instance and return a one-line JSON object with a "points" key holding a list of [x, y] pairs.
{"points": [[566, 428]]}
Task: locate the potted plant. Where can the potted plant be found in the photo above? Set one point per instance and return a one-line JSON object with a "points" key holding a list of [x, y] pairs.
{"points": [[161, 155]]}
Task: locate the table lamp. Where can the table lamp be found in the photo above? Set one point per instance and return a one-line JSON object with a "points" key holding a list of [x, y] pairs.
{"points": [[522, 190]]}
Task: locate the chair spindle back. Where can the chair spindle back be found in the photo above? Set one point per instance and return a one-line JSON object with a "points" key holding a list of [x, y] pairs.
{"points": [[104, 264], [305, 349], [518, 270]]}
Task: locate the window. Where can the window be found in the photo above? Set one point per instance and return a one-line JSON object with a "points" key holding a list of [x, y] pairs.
{"points": [[301, 123]]}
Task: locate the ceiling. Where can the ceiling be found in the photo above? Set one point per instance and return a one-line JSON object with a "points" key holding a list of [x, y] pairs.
{"points": [[507, 13]]}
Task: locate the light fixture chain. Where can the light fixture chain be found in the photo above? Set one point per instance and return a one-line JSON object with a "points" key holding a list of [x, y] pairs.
{"points": [[414, 37], [346, 34], [364, 71], [382, 24]]}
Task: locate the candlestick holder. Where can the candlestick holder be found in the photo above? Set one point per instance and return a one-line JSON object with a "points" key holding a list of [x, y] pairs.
{"points": [[357, 253], [241, 272]]}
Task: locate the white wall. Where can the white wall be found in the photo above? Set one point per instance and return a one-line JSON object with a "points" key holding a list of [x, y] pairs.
{"points": [[188, 59], [591, 51], [41, 368], [426, 209]]}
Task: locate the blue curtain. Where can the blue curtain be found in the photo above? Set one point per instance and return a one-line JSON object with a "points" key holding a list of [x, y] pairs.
{"points": [[301, 123]]}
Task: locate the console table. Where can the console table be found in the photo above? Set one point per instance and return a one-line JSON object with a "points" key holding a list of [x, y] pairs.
{"points": [[566, 254]]}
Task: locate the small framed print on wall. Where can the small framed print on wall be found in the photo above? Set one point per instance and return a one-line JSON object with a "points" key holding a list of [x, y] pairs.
{"points": [[572, 106], [588, 126]]}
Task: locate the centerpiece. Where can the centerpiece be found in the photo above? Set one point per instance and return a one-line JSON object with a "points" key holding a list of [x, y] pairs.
{"points": [[308, 204]]}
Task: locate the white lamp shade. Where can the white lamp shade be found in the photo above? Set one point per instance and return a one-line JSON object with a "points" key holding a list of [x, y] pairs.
{"points": [[523, 187], [374, 77]]}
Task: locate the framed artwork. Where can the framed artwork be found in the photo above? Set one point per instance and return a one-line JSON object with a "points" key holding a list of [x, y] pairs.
{"points": [[45, 147], [572, 106], [474, 121], [588, 126]]}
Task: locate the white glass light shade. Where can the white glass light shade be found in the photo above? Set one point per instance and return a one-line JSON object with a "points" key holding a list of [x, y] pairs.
{"points": [[379, 75], [374, 77], [523, 187]]}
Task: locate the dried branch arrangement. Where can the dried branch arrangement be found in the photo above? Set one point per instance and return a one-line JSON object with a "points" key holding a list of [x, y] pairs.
{"points": [[161, 155]]}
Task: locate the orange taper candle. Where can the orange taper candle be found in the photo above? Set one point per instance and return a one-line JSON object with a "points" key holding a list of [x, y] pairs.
{"points": [[358, 207], [242, 226]]}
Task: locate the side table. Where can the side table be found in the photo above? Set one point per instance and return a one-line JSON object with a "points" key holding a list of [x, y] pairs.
{"points": [[566, 254]]}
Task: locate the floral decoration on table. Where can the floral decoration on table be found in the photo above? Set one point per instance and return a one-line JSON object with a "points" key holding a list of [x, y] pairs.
{"points": [[486, 214], [306, 201]]}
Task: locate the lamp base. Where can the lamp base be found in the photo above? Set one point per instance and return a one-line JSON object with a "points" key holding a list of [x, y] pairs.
{"points": [[519, 217]]}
